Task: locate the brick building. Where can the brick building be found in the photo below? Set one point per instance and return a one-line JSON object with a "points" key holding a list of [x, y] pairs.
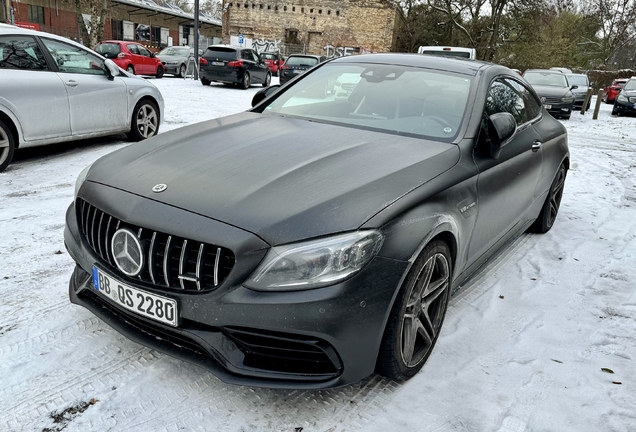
{"points": [[328, 27], [149, 23]]}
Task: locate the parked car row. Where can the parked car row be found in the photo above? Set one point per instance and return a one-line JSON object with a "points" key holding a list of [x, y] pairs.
{"points": [[86, 94], [243, 67]]}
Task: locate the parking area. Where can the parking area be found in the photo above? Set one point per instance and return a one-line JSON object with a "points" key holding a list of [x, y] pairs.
{"points": [[543, 338]]}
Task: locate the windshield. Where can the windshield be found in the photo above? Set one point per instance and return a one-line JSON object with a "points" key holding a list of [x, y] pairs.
{"points": [[389, 98], [578, 80], [108, 50], [175, 51], [546, 79], [301, 61], [630, 85], [220, 53], [268, 56]]}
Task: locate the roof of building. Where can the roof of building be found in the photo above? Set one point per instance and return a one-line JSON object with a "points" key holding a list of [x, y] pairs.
{"points": [[169, 9]]}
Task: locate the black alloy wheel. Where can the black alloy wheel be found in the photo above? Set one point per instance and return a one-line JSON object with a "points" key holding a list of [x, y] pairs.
{"points": [[145, 121], [551, 206], [417, 314], [7, 146], [130, 69], [268, 80], [246, 82], [159, 73], [182, 71]]}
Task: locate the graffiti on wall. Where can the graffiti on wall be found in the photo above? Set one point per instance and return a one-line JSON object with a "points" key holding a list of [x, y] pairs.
{"points": [[263, 45], [344, 51]]}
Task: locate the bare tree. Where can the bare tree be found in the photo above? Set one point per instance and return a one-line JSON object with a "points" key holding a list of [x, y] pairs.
{"points": [[616, 20], [92, 33], [213, 8]]}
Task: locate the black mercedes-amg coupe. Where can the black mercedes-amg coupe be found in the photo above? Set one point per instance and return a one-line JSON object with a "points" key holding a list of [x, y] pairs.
{"points": [[314, 239]]}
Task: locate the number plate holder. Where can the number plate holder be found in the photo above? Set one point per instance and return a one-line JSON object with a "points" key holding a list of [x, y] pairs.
{"points": [[151, 306]]}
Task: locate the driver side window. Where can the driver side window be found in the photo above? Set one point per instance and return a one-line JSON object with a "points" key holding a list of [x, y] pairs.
{"points": [[72, 59]]}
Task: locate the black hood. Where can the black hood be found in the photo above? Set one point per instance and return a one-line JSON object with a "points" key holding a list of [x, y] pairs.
{"points": [[282, 179], [551, 91]]}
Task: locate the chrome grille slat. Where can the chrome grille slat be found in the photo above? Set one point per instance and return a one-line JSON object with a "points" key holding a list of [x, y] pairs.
{"points": [[99, 235], [173, 263], [151, 255], [216, 266], [182, 259], [200, 258], [166, 258]]}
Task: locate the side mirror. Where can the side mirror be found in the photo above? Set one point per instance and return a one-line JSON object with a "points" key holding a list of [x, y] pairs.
{"points": [[574, 87], [262, 94], [502, 128], [152, 55], [112, 70]]}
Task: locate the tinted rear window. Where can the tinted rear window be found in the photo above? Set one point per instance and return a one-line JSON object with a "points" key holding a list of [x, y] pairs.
{"points": [[301, 61], [220, 53], [268, 56], [461, 54], [108, 50]]}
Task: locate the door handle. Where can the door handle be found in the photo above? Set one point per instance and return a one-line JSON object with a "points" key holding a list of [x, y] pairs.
{"points": [[536, 146], [72, 83]]}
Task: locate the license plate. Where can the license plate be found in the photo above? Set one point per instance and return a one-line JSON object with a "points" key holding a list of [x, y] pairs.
{"points": [[151, 306], [548, 106], [218, 63]]}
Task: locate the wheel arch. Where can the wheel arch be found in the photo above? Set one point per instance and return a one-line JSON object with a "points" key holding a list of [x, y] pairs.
{"points": [[148, 98], [13, 128]]}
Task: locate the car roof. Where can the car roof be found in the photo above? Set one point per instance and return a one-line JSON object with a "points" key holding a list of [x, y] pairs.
{"points": [[554, 72], [7, 28], [451, 64]]}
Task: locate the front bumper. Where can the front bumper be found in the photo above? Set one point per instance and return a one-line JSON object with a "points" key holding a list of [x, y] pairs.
{"points": [[558, 110], [172, 69], [624, 107], [312, 339]]}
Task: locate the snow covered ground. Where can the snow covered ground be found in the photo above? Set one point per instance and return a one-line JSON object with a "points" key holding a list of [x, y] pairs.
{"points": [[543, 340]]}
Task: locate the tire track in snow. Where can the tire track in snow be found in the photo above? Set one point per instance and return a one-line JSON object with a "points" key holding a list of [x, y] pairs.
{"points": [[33, 400]]}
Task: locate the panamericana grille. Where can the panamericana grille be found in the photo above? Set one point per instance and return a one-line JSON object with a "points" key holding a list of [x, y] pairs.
{"points": [[171, 262]]}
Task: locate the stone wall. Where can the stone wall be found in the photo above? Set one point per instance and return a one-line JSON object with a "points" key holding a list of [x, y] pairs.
{"points": [[327, 27]]}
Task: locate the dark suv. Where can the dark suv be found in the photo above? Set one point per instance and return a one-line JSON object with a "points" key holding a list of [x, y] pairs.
{"points": [[625, 102], [233, 65], [297, 64], [554, 90]]}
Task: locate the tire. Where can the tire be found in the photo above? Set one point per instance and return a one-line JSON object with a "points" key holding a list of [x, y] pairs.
{"points": [[159, 73], [130, 69], [145, 121], [246, 81], [409, 338], [550, 208], [182, 71], [7, 146], [614, 111], [268, 80], [205, 81], [566, 117]]}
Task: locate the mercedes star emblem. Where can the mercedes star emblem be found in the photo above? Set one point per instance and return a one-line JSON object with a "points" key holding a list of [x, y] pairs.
{"points": [[127, 252], [159, 188]]}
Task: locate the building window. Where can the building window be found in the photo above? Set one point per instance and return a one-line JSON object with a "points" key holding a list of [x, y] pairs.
{"points": [[269, 7], [285, 8], [293, 8], [329, 12], [337, 13], [36, 14], [118, 29], [302, 10], [311, 11], [261, 6], [319, 11]]}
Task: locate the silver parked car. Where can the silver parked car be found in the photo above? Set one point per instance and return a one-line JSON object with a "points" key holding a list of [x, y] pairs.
{"points": [[175, 59], [53, 90]]}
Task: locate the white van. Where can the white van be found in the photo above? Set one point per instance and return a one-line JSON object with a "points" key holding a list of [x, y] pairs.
{"points": [[468, 53]]}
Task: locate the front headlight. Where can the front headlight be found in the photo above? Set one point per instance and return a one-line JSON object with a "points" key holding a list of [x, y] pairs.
{"points": [[567, 99], [622, 98], [80, 180], [315, 263]]}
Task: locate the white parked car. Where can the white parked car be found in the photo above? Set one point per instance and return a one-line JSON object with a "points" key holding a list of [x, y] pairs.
{"points": [[53, 90]]}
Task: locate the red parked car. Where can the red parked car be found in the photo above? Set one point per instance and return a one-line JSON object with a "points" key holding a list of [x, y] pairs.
{"points": [[132, 57], [612, 91], [273, 60]]}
